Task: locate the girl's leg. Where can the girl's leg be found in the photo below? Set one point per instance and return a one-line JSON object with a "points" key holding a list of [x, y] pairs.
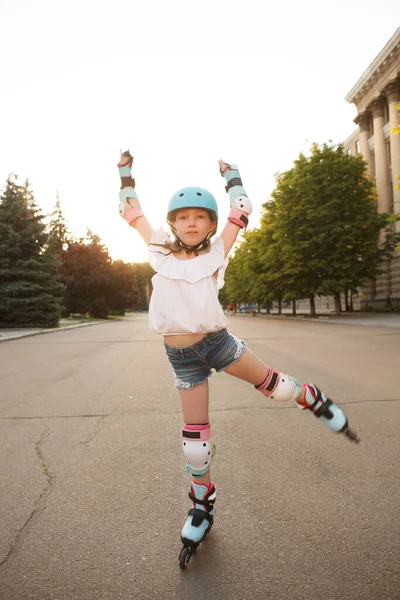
{"points": [[252, 369], [195, 405], [202, 492], [249, 367], [285, 388]]}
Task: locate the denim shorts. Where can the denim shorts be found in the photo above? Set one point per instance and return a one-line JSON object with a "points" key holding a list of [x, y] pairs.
{"points": [[192, 365]]}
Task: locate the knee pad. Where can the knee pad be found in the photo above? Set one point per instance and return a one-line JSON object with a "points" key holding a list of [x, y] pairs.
{"points": [[280, 387], [198, 448]]}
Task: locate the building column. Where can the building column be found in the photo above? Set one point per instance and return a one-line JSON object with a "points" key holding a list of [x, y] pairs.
{"points": [[383, 281], [393, 95], [381, 163], [363, 123]]}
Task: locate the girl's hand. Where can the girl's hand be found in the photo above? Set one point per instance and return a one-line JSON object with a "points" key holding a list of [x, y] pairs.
{"points": [[126, 160], [224, 167]]}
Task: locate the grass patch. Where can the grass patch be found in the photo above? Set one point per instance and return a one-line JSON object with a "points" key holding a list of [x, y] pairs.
{"points": [[69, 322]]}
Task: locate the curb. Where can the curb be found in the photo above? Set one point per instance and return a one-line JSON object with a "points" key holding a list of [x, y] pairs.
{"points": [[44, 331], [331, 319], [290, 317]]}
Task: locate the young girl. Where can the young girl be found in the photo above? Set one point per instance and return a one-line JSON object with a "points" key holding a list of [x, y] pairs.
{"points": [[184, 308]]}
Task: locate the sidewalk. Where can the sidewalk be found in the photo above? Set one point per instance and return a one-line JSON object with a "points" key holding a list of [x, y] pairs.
{"points": [[7, 335], [367, 318]]}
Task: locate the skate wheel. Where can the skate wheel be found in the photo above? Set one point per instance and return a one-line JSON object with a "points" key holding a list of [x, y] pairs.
{"points": [[352, 435], [184, 556]]}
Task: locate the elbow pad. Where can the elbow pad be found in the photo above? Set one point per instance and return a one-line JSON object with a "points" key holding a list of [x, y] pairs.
{"points": [[241, 202], [237, 196]]}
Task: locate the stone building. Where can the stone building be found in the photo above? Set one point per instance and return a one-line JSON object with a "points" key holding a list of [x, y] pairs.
{"points": [[376, 96]]}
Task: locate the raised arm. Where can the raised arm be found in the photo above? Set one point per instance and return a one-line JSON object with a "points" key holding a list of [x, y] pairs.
{"points": [[240, 205], [129, 206]]}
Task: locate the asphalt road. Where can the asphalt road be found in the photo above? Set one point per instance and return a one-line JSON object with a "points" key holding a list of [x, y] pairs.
{"points": [[93, 491]]}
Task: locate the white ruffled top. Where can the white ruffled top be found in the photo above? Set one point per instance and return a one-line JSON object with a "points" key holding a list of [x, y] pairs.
{"points": [[185, 292]]}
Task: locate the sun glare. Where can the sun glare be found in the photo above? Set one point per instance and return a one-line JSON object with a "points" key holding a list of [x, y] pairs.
{"points": [[135, 251]]}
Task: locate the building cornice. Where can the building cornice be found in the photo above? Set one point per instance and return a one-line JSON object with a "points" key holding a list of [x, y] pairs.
{"points": [[386, 57]]}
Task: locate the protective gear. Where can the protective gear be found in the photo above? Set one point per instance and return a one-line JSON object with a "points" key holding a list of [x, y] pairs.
{"points": [[126, 193], [198, 448], [201, 516], [237, 195], [280, 387], [125, 170], [284, 388], [241, 201], [127, 212], [323, 408], [238, 217], [193, 197], [329, 412]]}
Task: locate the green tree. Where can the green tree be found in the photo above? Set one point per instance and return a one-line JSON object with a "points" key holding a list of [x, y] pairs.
{"points": [[236, 282], [58, 235], [29, 287], [326, 226], [271, 274], [143, 274], [124, 291], [86, 272]]}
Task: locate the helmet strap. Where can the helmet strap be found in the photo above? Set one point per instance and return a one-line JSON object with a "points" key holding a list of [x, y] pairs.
{"points": [[198, 247]]}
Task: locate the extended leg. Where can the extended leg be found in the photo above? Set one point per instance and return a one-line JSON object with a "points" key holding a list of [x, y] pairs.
{"points": [[284, 388]]}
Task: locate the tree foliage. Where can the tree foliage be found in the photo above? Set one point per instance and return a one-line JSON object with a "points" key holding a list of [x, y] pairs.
{"points": [[143, 274], [320, 232], [58, 236], [94, 283], [43, 270], [124, 293], [86, 274], [29, 287]]}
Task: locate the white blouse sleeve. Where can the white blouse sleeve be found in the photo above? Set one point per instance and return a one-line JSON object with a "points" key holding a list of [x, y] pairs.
{"points": [[157, 252]]}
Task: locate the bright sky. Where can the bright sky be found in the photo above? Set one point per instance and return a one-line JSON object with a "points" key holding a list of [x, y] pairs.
{"points": [[182, 84]]}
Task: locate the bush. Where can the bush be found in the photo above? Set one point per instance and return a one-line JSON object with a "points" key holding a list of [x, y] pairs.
{"points": [[100, 309], [117, 312]]}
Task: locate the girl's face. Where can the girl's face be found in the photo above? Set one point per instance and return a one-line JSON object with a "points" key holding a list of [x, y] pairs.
{"points": [[192, 225]]}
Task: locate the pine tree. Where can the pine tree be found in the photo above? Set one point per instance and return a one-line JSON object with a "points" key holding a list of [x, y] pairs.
{"points": [[58, 235], [29, 287]]}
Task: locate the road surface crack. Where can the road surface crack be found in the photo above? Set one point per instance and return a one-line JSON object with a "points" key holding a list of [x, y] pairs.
{"points": [[38, 507], [97, 428]]}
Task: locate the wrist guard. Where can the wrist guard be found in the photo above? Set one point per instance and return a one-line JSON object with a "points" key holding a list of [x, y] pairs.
{"points": [[127, 191], [125, 171], [131, 215], [238, 217]]}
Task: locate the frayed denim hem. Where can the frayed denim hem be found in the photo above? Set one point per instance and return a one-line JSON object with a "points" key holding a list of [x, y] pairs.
{"points": [[183, 385], [240, 348]]}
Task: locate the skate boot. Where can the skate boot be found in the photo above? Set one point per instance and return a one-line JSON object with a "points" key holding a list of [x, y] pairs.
{"points": [[199, 521], [326, 410]]}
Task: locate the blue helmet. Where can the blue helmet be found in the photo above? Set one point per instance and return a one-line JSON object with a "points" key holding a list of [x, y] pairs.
{"points": [[193, 197]]}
